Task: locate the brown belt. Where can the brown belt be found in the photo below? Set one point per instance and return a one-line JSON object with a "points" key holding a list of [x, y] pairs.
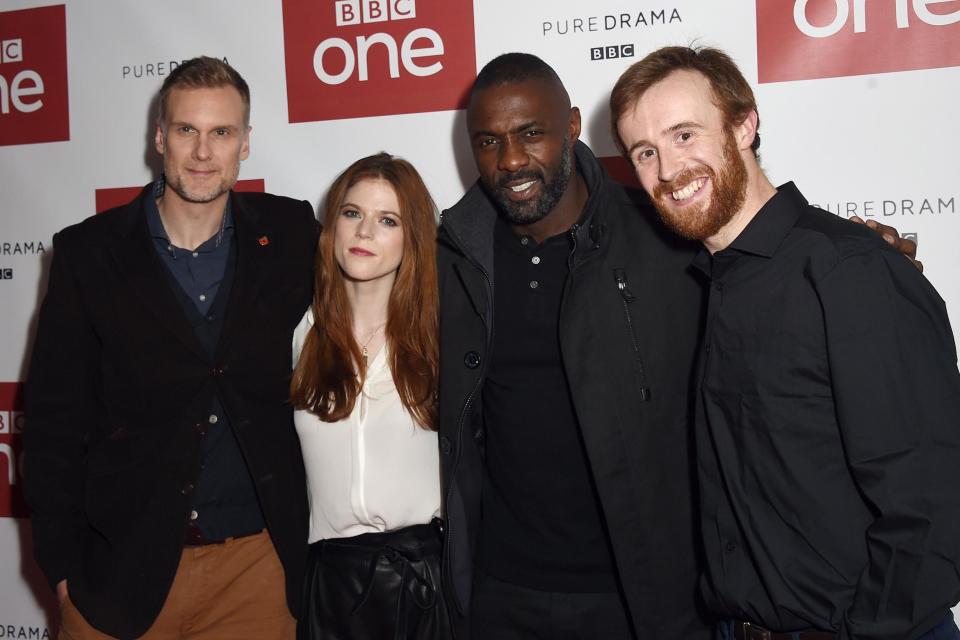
{"points": [[750, 631]]}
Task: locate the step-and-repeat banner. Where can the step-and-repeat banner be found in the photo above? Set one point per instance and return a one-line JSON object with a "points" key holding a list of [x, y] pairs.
{"points": [[858, 102]]}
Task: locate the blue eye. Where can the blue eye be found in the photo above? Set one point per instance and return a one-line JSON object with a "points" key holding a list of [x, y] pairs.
{"points": [[350, 213]]}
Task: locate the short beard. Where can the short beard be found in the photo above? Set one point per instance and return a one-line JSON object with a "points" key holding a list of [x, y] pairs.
{"points": [[729, 190], [174, 183], [537, 210]]}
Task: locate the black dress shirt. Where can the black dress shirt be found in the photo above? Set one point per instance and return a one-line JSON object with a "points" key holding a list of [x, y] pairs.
{"points": [[828, 431], [542, 524]]}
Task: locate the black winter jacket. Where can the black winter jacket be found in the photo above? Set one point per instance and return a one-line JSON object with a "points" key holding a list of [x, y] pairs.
{"points": [[629, 329]]}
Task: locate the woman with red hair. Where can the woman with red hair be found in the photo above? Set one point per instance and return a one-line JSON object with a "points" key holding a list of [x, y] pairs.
{"points": [[365, 393]]}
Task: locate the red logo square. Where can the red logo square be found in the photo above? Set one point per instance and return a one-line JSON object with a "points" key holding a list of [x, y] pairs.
{"points": [[356, 58], [12, 504], [111, 197], [33, 76], [806, 39]]}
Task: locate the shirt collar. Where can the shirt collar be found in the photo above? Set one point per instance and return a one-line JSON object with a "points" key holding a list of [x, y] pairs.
{"points": [[764, 233], [159, 233]]}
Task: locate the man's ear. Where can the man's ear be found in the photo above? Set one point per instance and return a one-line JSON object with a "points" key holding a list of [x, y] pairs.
{"points": [[574, 125], [746, 131], [245, 148], [158, 141]]}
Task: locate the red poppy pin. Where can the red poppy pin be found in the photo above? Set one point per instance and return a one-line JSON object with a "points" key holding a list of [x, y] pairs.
{"points": [[263, 240]]}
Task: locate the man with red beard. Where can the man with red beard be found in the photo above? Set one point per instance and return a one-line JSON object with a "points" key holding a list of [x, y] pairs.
{"points": [[829, 508]]}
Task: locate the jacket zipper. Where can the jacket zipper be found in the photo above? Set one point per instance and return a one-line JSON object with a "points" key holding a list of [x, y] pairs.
{"points": [[573, 249], [627, 296]]}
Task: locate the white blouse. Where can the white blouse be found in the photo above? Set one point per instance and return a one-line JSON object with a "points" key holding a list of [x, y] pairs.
{"points": [[374, 471]]}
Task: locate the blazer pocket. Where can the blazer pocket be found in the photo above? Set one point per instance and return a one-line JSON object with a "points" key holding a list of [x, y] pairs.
{"points": [[120, 451]]}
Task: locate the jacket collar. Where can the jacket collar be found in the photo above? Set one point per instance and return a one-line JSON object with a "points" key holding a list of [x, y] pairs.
{"points": [[470, 222], [136, 257], [256, 258], [591, 228]]}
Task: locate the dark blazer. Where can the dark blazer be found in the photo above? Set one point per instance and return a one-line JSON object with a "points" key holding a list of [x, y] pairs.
{"points": [[119, 386], [629, 328]]}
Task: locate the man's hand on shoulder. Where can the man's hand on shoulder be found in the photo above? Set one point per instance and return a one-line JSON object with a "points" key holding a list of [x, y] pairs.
{"points": [[61, 591], [904, 245]]}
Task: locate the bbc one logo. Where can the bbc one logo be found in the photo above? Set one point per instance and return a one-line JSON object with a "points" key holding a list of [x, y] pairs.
{"points": [[12, 504], [357, 58], [33, 76], [807, 39]]}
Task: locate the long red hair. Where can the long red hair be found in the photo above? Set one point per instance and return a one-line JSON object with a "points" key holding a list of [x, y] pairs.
{"points": [[330, 372]]}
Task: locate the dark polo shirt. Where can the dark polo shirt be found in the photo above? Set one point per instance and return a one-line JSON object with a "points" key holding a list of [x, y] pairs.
{"points": [[542, 524]]}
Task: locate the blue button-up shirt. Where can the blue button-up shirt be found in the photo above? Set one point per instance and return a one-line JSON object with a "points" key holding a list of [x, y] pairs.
{"points": [[200, 271]]}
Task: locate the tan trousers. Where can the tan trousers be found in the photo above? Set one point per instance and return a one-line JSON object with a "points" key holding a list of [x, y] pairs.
{"points": [[229, 591]]}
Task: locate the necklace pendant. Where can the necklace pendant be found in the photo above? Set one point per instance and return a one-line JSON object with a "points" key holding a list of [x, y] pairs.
{"points": [[364, 356]]}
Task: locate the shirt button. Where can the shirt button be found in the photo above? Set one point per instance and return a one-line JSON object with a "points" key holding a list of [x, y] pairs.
{"points": [[534, 284], [535, 259], [194, 515], [213, 418], [471, 359], [202, 297], [195, 254], [524, 241]]}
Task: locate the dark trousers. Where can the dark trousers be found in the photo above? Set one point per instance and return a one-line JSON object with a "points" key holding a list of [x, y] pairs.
{"points": [[383, 586], [946, 630], [503, 611]]}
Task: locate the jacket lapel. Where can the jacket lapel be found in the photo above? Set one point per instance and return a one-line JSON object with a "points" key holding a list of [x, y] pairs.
{"points": [[255, 255], [139, 263]]}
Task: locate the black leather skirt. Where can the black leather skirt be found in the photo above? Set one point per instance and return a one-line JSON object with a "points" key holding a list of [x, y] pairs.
{"points": [[375, 586]]}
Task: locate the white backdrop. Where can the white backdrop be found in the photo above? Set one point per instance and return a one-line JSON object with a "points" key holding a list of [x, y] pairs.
{"points": [[858, 105]]}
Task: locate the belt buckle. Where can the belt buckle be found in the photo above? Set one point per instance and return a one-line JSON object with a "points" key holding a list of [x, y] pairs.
{"points": [[751, 632]]}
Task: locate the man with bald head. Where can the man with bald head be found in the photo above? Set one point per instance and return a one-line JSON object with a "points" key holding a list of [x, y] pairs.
{"points": [[568, 333]]}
